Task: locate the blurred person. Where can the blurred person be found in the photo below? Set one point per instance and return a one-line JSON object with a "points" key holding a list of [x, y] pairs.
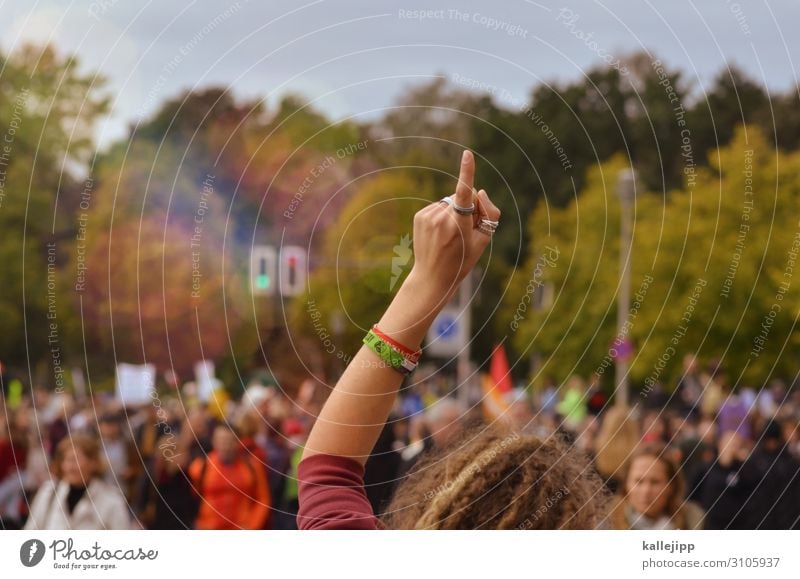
{"points": [[790, 428], [443, 420], [37, 469], [520, 410], [734, 413], [652, 496], [382, 468], [689, 392], [295, 437], [402, 433], [707, 430], [727, 486], [544, 425], [771, 398], [714, 383], [586, 435], [548, 397], [572, 408], [249, 426], [13, 445], [416, 441], [654, 428], [485, 478], [13, 461], [232, 487], [439, 423], [169, 501], [57, 415], [78, 497], [780, 483], [696, 449], [657, 397], [120, 453], [616, 441], [167, 498]]}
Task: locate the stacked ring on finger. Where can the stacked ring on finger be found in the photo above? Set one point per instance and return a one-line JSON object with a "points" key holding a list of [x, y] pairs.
{"points": [[458, 209], [487, 226]]}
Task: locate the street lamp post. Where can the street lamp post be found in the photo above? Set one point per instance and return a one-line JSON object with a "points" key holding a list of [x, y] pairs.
{"points": [[626, 190]]}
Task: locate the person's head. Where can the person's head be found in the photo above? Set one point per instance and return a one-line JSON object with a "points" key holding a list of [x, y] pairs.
{"points": [[772, 440], [109, 426], [576, 383], [247, 424], [443, 419], [653, 485], [496, 478], [225, 443], [520, 412], [707, 430], [197, 421], [654, 425], [78, 459], [731, 447]]}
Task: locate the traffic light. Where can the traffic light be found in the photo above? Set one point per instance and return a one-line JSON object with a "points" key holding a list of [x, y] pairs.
{"points": [[293, 270], [263, 261]]}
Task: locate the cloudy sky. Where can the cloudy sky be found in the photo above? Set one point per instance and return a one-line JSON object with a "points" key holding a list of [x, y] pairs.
{"points": [[354, 57]]}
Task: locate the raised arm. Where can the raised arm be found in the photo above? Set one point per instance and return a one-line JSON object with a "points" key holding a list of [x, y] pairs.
{"points": [[447, 246]]}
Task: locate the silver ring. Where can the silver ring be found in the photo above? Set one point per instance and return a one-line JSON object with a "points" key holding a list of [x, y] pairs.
{"points": [[489, 222], [458, 209], [485, 230]]}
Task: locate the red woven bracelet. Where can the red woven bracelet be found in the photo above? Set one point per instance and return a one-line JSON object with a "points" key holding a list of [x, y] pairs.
{"points": [[408, 352]]}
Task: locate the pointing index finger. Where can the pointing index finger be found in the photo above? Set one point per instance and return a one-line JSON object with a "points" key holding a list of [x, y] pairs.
{"points": [[466, 177]]}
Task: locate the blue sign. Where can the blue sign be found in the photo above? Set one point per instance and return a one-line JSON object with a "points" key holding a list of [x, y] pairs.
{"points": [[446, 326]]}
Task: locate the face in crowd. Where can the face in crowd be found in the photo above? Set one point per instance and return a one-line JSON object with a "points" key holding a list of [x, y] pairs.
{"points": [[225, 443], [648, 486], [77, 469]]}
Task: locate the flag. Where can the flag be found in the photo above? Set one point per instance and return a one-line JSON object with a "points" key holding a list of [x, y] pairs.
{"points": [[496, 384]]}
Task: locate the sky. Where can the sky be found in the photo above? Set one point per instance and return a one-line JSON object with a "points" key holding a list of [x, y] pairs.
{"points": [[353, 58]]}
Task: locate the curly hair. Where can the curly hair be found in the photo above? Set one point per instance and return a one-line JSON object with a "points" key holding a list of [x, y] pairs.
{"points": [[498, 478]]}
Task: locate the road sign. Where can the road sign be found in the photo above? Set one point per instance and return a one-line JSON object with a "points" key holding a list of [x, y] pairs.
{"points": [[448, 334]]}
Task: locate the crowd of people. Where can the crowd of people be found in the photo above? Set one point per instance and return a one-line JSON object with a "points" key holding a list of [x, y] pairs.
{"points": [[94, 463], [701, 457], [669, 461]]}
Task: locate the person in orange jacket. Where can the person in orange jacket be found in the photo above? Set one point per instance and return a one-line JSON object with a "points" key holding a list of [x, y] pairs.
{"points": [[231, 484]]}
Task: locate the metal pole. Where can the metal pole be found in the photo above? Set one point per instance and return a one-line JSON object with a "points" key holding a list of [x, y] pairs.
{"points": [[626, 190]]}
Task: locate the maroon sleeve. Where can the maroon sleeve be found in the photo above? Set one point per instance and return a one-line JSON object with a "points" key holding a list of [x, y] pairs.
{"points": [[331, 494]]}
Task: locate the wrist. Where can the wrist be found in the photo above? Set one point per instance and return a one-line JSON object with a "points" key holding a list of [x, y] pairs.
{"points": [[412, 311]]}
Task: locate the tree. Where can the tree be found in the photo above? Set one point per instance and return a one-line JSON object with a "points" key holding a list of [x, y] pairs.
{"points": [[707, 272], [48, 112]]}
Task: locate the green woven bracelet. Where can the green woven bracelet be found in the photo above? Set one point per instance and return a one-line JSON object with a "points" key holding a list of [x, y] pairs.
{"points": [[385, 352]]}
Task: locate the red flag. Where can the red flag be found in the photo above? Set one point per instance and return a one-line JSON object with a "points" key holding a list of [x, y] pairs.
{"points": [[496, 384], [499, 370]]}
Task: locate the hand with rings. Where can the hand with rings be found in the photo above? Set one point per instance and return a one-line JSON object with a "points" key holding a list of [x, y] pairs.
{"points": [[451, 234]]}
